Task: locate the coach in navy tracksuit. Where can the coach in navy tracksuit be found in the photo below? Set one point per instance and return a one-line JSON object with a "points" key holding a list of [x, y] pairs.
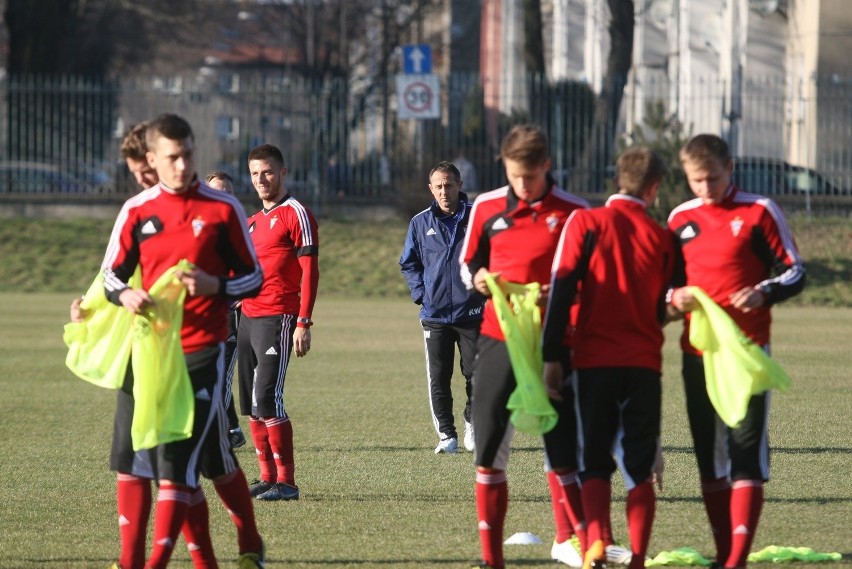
{"points": [[449, 313]]}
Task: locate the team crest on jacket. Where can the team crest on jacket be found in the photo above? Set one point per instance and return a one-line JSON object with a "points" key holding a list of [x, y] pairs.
{"points": [[272, 222], [197, 225], [552, 222], [736, 225]]}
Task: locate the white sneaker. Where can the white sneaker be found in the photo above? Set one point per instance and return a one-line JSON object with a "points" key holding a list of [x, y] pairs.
{"points": [[448, 446], [468, 436], [566, 553], [618, 554]]}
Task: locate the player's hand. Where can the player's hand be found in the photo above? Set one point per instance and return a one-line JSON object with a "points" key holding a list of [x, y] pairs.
{"points": [[748, 298], [479, 282], [659, 466], [543, 295], [198, 283], [302, 341], [553, 377], [135, 300], [683, 300], [77, 314]]}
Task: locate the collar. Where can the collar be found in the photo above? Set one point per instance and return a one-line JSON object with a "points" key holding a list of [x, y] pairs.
{"points": [[515, 204], [281, 201], [617, 199]]}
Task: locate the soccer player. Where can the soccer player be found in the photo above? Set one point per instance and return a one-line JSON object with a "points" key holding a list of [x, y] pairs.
{"points": [[739, 249], [513, 233], [620, 262], [450, 315], [179, 218], [278, 321], [220, 180]]}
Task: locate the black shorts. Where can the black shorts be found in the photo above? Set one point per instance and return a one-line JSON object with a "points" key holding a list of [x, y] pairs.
{"points": [[207, 451], [619, 418], [493, 384], [264, 345], [722, 452]]}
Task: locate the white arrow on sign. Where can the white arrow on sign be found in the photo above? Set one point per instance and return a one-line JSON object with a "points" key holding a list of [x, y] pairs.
{"points": [[417, 56]]}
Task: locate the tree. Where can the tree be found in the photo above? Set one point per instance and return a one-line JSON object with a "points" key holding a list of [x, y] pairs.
{"points": [[599, 152]]}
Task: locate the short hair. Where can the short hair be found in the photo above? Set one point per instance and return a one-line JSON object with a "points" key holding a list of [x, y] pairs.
{"points": [[703, 149], [133, 144], [265, 152], [638, 168], [219, 175], [525, 143], [447, 168], [169, 126]]}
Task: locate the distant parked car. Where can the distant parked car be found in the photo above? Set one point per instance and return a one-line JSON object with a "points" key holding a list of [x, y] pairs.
{"points": [[769, 176], [21, 177]]}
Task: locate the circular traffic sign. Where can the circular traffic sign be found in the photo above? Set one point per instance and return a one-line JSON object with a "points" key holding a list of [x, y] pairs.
{"points": [[417, 97]]}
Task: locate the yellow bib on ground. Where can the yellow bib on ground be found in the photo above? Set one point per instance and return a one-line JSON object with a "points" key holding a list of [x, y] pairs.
{"points": [[735, 368], [520, 322], [100, 348]]}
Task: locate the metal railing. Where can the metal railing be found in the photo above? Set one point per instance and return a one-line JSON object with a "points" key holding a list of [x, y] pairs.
{"points": [[59, 136]]}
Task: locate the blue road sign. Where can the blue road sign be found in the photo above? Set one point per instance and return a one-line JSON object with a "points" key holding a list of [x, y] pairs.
{"points": [[417, 59]]}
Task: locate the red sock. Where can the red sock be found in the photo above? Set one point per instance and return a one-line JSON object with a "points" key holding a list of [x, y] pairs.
{"points": [[196, 532], [746, 505], [564, 529], [234, 493], [492, 501], [573, 505], [596, 494], [641, 505], [172, 505], [260, 437], [280, 431], [717, 502], [133, 499]]}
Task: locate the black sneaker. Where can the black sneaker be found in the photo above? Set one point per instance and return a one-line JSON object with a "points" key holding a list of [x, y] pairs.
{"points": [[236, 437], [258, 487], [280, 491]]}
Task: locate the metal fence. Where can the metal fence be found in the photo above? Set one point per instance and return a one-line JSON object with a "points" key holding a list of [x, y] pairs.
{"points": [[59, 136]]}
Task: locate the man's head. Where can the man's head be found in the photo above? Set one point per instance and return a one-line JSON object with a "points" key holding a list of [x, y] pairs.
{"points": [[134, 148], [171, 151], [266, 166], [220, 180], [708, 167], [527, 160], [639, 171], [445, 183]]}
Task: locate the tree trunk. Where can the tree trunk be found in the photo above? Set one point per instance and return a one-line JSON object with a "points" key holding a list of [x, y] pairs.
{"points": [[599, 153]]}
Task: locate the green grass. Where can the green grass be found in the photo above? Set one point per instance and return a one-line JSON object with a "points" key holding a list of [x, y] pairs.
{"points": [[373, 493], [357, 258]]}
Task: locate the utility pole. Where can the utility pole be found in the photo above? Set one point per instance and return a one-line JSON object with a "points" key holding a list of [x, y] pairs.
{"points": [[561, 50]]}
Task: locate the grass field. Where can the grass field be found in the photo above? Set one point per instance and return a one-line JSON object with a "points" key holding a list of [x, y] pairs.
{"points": [[373, 493]]}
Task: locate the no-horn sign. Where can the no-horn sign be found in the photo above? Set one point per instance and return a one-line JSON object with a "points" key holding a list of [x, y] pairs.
{"points": [[419, 96]]}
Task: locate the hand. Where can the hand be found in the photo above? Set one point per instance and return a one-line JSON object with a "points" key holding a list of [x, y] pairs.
{"points": [[302, 341], [543, 295], [748, 298], [479, 282], [683, 300], [553, 378], [77, 313], [135, 300], [198, 283], [659, 466]]}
